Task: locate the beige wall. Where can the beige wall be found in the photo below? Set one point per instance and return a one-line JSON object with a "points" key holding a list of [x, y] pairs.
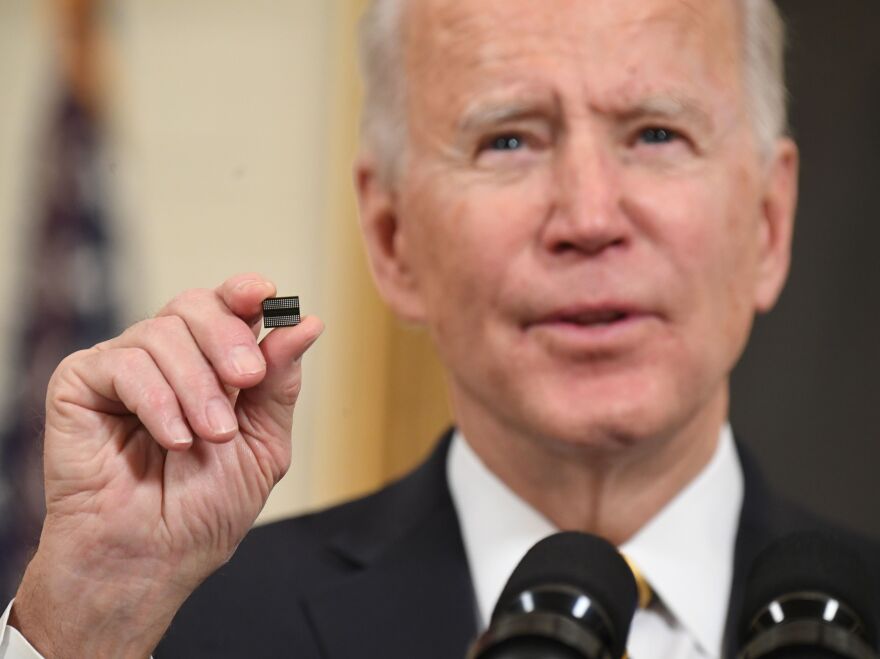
{"points": [[221, 110], [233, 130]]}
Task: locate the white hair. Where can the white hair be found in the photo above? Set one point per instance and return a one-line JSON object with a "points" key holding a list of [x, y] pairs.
{"points": [[383, 118], [767, 96]]}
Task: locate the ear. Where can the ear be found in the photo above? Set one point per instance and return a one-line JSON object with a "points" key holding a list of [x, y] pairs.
{"points": [[385, 238], [779, 203]]}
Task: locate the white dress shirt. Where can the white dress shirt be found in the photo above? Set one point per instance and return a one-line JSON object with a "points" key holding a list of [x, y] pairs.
{"points": [[12, 644], [685, 551]]}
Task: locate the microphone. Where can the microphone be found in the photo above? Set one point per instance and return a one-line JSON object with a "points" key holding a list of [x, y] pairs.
{"points": [[808, 596], [572, 596]]}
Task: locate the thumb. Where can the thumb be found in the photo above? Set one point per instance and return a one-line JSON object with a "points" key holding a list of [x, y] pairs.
{"points": [[266, 410]]}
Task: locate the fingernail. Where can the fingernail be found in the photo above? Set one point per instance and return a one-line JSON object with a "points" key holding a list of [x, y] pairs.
{"points": [[220, 417], [254, 283], [246, 361], [179, 432]]}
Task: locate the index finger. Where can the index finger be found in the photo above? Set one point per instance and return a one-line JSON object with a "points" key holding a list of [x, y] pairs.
{"points": [[243, 294]]}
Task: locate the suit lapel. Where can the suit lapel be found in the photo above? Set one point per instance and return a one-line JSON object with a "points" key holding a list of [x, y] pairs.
{"points": [[763, 519], [408, 592]]}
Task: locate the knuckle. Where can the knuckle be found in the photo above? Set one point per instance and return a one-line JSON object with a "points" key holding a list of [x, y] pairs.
{"points": [[221, 339], [133, 360], [203, 382], [103, 345], [154, 331], [162, 326], [75, 358], [157, 397], [290, 389], [67, 367], [281, 467], [239, 334], [190, 298]]}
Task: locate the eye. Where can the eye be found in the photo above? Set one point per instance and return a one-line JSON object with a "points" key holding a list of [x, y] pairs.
{"points": [[504, 143], [512, 147], [656, 135]]}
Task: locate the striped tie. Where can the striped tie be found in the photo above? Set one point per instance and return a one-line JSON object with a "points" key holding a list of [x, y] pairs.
{"points": [[646, 594]]}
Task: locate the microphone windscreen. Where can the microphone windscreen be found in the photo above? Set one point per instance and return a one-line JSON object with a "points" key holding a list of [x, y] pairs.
{"points": [[584, 561], [810, 561]]}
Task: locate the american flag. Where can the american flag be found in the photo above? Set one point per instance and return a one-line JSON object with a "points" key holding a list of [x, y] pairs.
{"points": [[66, 302]]}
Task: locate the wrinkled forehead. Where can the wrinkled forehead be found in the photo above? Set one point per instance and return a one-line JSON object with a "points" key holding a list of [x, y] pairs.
{"points": [[446, 37], [428, 22]]}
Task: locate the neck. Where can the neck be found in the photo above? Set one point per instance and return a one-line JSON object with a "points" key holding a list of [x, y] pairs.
{"points": [[610, 492]]}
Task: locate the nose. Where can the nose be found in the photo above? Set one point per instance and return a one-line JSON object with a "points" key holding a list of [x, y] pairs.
{"points": [[587, 216]]}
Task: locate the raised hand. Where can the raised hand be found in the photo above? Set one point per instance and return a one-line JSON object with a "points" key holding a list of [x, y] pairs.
{"points": [[161, 447]]}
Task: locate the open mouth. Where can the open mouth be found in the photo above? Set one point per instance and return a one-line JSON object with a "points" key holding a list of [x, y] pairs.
{"points": [[593, 318], [590, 328]]}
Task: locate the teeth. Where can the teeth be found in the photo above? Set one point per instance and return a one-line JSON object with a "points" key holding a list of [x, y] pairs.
{"points": [[598, 317]]}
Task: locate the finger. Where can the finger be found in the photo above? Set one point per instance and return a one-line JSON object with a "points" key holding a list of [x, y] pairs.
{"points": [[244, 294], [130, 376], [257, 327], [205, 402], [226, 340], [266, 411]]}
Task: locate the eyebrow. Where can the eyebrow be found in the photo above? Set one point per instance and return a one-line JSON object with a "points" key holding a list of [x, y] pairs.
{"points": [[671, 107], [480, 115]]}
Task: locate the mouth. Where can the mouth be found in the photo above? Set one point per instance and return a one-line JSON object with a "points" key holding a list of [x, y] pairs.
{"points": [[590, 318], [593, 327]]}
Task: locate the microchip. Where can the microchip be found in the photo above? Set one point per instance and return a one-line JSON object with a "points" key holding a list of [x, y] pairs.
{"points": [[281, 311]]}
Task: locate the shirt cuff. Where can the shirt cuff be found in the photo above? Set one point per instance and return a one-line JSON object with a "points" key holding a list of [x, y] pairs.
{"points": [[12, 644]]}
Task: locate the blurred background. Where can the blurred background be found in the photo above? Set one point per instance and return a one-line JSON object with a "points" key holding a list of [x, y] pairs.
{"points": [[148, 146]]}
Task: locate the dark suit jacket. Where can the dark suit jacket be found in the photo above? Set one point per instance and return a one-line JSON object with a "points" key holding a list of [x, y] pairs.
{"points": [[384, 577]]}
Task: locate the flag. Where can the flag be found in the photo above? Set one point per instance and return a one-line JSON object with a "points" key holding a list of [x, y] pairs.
{"points": [[65, 300]]}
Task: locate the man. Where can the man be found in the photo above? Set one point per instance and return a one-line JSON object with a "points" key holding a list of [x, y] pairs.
{"points": [[585, 202]]}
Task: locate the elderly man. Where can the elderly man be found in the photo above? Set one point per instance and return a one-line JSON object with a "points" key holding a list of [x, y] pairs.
{"points": [[585, 202]]}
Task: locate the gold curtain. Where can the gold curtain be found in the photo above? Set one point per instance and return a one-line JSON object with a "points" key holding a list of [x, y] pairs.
{"points": [[381, 396]]}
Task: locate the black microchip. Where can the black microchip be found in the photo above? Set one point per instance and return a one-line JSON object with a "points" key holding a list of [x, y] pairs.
{"points": [[281, 311]]}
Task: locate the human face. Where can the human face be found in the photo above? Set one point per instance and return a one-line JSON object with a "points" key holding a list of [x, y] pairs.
{"points": [[584, 221]]}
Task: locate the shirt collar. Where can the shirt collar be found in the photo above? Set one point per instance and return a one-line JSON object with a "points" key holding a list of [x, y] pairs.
{"points": [[685, 551]]}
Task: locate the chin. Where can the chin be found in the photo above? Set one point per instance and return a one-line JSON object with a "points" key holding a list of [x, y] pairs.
{"points": [[603, 432], [602, 415]]}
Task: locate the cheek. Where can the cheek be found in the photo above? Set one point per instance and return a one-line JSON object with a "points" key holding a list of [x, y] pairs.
{"points": [[734, 258], [469, 240], [705, 236]]}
